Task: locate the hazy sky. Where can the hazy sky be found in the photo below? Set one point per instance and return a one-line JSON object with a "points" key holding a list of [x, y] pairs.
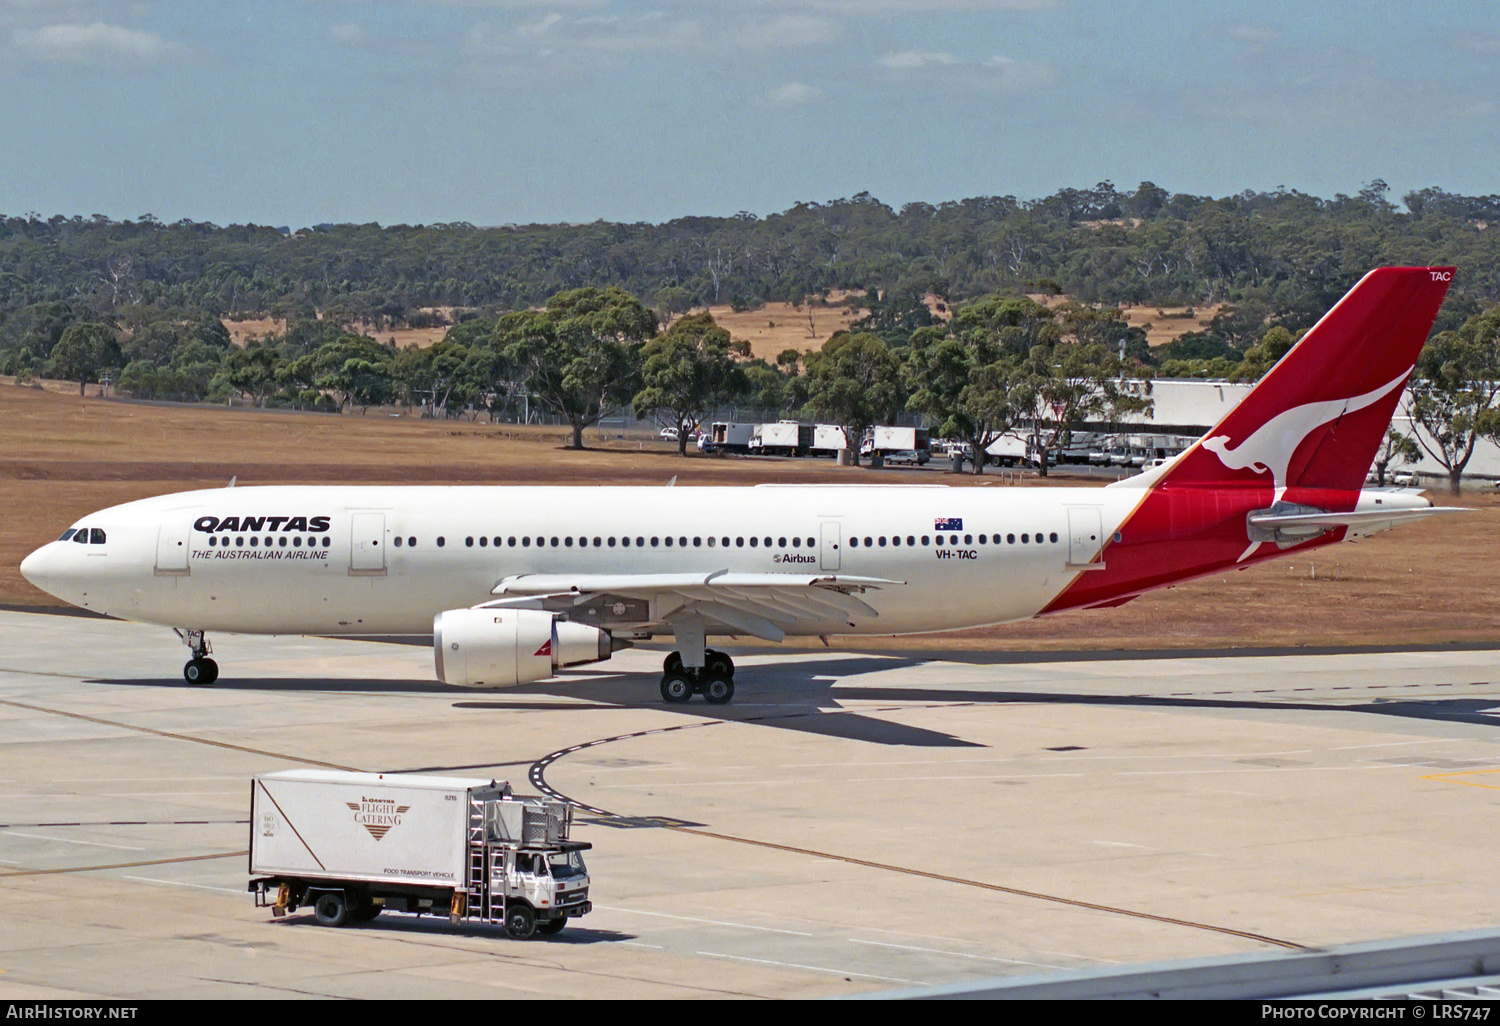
{"points": [[496, 111]]}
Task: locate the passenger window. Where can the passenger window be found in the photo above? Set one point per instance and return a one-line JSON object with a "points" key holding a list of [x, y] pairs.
{"points": [[682, 542], [568, 541], [1010, 539], [554, 543], [411, 543], [781, 543], [1025, 538], [938, 539], [669, 541], [854, 543], [754, 542], [924, 540], [1052, 536], [441, 541], [526, 542], [239, 541], [398, 541], [596, 542]]}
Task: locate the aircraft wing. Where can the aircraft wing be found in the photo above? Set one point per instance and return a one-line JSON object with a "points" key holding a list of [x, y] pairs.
{"points": [[762, 605]]}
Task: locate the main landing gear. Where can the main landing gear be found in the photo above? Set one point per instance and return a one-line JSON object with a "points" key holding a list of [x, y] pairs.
{"points": [[714, 680], [200, 669]]}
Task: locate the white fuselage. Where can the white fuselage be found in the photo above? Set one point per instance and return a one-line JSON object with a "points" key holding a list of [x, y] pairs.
{"points": [[386, 560]]}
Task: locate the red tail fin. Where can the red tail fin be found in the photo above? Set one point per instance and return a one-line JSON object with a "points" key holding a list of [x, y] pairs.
{"points": [[1316, 420]]}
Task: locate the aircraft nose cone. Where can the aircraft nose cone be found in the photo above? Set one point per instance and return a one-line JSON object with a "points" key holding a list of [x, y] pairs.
{"points": [[34, 568]]}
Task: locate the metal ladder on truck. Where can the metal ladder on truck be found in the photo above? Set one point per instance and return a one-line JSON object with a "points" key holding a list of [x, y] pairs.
{"points": [[484, 861]]}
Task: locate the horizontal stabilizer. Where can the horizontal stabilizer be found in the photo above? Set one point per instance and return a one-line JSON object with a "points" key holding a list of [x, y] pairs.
{"points": [[1314, 523]]}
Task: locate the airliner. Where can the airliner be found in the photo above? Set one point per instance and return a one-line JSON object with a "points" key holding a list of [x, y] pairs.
{"points": [[517, 583]]}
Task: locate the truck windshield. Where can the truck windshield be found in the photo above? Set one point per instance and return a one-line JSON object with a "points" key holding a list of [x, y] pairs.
{"points": [[566, 863]]}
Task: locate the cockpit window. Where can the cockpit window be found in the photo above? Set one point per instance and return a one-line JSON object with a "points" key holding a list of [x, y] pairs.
{"points": [[68, 534], [96, 536], [82, 537]]}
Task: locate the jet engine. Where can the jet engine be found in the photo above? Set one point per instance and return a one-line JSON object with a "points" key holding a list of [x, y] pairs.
{"points": [[500, 648]]}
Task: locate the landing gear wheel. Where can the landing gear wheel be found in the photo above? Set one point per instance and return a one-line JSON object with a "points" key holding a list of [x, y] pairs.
{"points": [[331, 909], [672, 663], [201, 671], [718, 663], [520, 921], [552, 926], [676, 688], [717, 689]]}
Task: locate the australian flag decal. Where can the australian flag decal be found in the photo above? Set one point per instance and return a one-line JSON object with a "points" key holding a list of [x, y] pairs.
{"points": [[948, 524]]}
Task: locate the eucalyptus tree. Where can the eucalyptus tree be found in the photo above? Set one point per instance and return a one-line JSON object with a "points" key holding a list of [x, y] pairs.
{"points": [[855, 382], [1453, 392], [580, 356], [686, 372]]}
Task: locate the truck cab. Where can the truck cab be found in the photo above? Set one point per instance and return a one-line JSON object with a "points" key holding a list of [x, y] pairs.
{"points": [[552, 881]]}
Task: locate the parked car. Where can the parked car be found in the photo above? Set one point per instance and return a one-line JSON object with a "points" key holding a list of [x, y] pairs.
{"points": [[914, 457], [669, 434]]}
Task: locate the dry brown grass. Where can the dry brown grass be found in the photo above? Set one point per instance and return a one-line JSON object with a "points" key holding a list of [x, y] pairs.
{"points": [[62, 457]]}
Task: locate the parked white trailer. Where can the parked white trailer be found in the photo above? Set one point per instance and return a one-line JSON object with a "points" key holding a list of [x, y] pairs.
{"points": [[352, 845], [1008, 451], [727, 436], [900, 439], [783, 438], [828, 439]]}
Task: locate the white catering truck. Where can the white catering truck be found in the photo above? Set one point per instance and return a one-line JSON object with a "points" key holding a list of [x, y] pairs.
{"points": [[352, 845]]}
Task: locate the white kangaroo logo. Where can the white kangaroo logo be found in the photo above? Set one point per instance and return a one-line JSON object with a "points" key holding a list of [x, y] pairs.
{"points": [[1270, 448]]}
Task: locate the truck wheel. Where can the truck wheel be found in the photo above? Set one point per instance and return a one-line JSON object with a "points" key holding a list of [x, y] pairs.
{"points": [[520, 921], [552, 926], [365, 913], [331, 909]]}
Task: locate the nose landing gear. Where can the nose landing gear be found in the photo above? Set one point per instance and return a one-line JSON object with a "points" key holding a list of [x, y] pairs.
{"points": [[200, 669]]}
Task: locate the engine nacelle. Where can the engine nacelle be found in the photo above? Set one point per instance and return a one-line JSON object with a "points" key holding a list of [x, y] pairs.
{"points": [[500, 648]]}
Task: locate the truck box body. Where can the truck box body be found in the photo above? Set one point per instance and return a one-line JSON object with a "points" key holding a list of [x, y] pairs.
{"points": [[363, 826], [894, 439], [784, 438], [1008, 450], [727, 436], [828, 438]]}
